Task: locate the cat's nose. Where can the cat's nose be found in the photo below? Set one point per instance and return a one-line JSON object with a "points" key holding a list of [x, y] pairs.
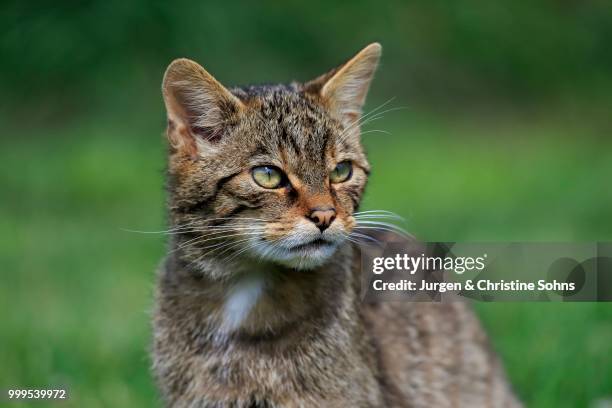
{"points": [[322, 217]]}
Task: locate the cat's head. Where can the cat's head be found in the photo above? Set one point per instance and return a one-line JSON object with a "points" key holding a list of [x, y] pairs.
{"points": [[269, 172]]}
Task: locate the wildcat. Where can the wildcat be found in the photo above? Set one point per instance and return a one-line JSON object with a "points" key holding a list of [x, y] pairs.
{"points": [[257, 302]]}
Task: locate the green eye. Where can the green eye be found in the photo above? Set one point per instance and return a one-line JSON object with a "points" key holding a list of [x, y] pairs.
{"points": [[342, 172], [267, 176]]}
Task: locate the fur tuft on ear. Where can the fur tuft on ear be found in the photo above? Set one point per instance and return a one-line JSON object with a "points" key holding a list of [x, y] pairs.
{"points": [[198, 106], [344, 89]]}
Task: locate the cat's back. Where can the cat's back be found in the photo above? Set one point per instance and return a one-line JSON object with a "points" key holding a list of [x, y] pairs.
{"points": [[432, 354], [435, 355]]}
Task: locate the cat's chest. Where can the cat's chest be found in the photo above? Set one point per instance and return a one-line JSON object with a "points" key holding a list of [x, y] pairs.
{"points": [[321, 375]]}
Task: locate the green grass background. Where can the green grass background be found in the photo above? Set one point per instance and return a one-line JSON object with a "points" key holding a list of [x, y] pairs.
{"points": [[505, 137]]}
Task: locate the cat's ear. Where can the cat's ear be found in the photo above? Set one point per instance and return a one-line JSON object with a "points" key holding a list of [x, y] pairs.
{"points": [[344, 89], [198, 106]]}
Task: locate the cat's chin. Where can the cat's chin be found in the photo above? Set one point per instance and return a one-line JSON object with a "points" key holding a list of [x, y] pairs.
{"points": [[303, 257]]}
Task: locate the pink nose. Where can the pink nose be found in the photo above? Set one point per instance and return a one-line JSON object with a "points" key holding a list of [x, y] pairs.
{"points": [[322, 217]]}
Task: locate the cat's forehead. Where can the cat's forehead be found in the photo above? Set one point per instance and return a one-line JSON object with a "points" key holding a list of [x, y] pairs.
{"points": [[284, 103], [282, 117]]}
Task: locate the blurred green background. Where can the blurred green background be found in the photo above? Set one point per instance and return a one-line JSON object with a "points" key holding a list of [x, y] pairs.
{"points": [[504, 134]]}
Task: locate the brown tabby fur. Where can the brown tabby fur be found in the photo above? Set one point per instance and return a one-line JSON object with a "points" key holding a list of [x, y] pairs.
{"points": [[301, 337]]}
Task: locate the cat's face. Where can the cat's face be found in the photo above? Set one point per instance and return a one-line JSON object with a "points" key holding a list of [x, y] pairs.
{"points": [[269, 172]]}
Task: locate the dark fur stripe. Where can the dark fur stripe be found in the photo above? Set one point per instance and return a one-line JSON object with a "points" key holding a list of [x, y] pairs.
{"points": [[200, 205]]}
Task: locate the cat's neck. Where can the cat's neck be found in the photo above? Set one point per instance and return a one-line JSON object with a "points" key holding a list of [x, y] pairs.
{"points": [[258, 299]]}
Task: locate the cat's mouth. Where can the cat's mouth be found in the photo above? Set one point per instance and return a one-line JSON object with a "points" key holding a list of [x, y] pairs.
{"points": [[310, 254], [313, 245], [300, 250], [305, 255]]}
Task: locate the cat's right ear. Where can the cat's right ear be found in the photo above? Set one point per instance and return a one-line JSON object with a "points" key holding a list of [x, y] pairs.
{"points": [[198, 106], [344, 89]]}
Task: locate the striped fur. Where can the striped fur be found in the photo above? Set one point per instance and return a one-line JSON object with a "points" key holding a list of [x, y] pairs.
{"points": [[244, 316]]}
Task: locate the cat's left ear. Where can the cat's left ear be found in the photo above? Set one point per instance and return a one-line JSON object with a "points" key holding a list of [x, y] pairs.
{"points": [[344, 89]]}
